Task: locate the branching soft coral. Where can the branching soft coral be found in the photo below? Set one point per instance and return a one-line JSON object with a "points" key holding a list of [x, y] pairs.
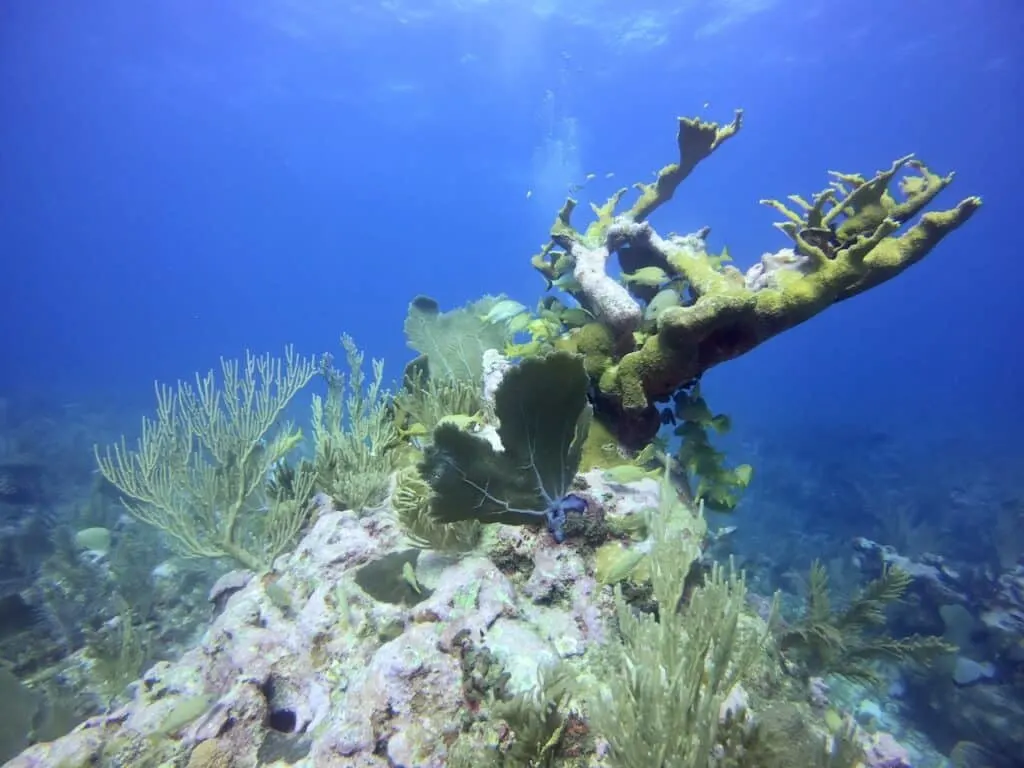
{"points": [[354, 433], [850, 641], [199, 472]]}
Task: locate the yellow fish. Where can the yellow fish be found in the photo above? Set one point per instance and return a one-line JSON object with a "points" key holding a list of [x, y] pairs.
{"points": [[503, 311], [627, 473], [650, 277], [519, 322], [461, 421]]}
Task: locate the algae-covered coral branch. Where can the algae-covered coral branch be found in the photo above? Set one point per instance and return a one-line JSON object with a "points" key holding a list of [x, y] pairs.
{"points": [[588, 252], [851, 237]]}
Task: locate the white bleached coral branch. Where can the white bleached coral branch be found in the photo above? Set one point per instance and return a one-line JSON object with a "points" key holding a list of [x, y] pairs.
{"points": [[606, 297]]}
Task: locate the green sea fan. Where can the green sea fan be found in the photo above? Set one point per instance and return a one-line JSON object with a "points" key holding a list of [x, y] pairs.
{"points": [[544, 418], [454, 341]]}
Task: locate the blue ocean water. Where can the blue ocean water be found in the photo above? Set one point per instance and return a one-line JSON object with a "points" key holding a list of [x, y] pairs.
{"points": [[183, 180]]}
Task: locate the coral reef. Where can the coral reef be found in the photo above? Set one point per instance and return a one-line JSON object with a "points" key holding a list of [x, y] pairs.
{"points": [[306, 667], [461, 593], [846, 240]]}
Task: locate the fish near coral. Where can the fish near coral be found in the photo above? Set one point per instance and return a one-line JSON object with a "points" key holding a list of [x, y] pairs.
{"points": [[664, 299], [503, 311], [648, 277]]}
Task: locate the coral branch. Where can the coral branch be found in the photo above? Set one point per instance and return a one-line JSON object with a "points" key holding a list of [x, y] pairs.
{"points": [[585, 255], [732, 314], [683, 311], [605, 297], [697, 139]]}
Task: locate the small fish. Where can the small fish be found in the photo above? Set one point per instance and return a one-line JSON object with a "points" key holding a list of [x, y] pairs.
{"points": [[707, 104], [662, 301], [649, 277], [522, 350], [542, 329], [576, 316], [529, 194], [610, 175], [564, 263], [647, 455], [618, 565], [503, 311], [95, 540], [461, 421], [722, 533], [567, 283], [551, 316], [414, 430], [743, 473], [519, 322], [721, 423], [696, 411], [590, 177], [625, 473]]}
